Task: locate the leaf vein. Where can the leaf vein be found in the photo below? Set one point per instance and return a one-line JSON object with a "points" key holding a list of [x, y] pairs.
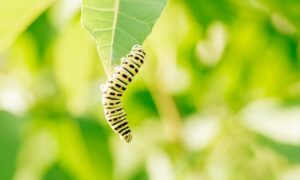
{"points": [[148, 2], [134, 38], [101, 30], [134, 18], [99, 9]]}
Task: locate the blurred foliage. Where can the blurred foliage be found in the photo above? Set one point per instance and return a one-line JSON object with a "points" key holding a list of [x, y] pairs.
{"points": [[10, 140], [16, 15], [218, 97]]}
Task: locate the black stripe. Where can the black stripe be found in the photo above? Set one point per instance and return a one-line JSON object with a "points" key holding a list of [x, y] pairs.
{"points": [[112, 119], [112, 103], [110, 98], [112, 112], [121, 125], [114, 108], [127, 127], [136, 64], [116, 118], [133, 65], [122, 115], [118, 121], [128, 71], [117, 84], [115, 97], [140, 55], [118, 109], [110, 107], [113, 88], [122, 81], [126, 132], [116, 115]]}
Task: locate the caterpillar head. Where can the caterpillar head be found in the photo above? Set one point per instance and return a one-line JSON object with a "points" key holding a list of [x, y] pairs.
{"points": [[127, 138]]}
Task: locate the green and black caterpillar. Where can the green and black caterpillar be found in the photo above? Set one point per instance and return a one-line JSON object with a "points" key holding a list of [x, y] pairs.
{"points": [[114, 88]]}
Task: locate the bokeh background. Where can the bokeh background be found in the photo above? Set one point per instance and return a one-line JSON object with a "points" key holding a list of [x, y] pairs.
{"points": [[218, 97]]}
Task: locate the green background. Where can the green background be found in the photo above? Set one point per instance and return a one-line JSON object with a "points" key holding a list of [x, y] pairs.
{"points": [[217, 98]]}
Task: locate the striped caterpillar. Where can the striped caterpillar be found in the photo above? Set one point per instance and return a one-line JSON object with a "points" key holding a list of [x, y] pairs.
{"points": [[114, 88]]}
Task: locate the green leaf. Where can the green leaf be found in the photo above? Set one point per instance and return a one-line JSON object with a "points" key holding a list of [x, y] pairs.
{"points": [[58, 172], [117, 25], [290, 9], [15, 17], [288, 151], [208, 11], [10, 141], [96, 141]]}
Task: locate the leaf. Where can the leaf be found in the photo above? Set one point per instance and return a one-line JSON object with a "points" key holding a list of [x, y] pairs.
{"points": [[208, 11], [16, 15], [290, 9], [10, 142], [273, 121], [117, 25], [288, 151], [73, 153], [58, 172], [96, 141]]}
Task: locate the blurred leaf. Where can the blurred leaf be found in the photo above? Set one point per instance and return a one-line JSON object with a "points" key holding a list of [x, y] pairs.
{"points": [[140, 174], [290, 152], [56, 172], [16, 15], [290, 9], [209, 11], [38, 29], [141, 100], [38, 151], [185, 105], [10, 139], [118, 25], [73, 152], [96, 141], [273, 120]]}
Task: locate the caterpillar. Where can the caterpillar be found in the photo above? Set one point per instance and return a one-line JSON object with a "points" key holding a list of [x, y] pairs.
{"points": [[114, 88]]}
